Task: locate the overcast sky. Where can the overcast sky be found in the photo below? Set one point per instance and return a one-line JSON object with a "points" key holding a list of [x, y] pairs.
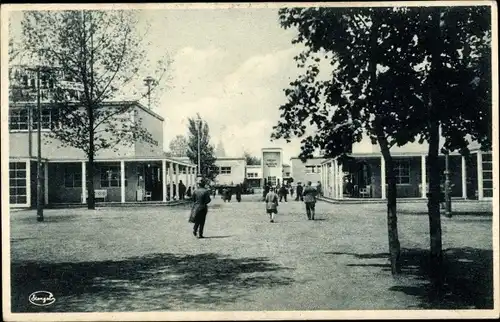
{"points": [[229, 65]]}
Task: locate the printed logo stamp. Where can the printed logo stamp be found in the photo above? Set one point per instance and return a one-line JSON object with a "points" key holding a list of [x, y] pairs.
{"points": [[41, 298]]}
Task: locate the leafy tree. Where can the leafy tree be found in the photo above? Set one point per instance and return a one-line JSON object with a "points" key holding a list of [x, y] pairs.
{"points": [[251, 160], [101, 53], [179, 146], [379, 86], [208, 169]]}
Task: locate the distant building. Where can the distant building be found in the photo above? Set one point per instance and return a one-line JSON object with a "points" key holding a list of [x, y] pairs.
{"points": [[306, 171], [232, 171], [254, 176]]}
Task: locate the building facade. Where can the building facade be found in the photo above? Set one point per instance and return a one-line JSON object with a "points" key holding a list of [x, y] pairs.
{"points": [[306, 171], [232, 171], [135, 171], [272, 166], [364, 175]]}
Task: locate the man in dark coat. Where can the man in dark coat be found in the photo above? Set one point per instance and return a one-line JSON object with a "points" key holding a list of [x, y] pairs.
{"points": [[310, 194], [283, 192], [299, 192], [267, 188], [238, 192], [201, 198]]}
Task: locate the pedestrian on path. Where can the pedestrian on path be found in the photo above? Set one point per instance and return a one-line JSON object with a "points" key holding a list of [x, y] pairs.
{"points": [[310, 200], [201, 199], [271, 204], [238, 192], [283, 192], [299, 192]]}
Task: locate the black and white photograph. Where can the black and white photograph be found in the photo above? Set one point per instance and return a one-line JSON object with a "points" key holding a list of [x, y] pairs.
{"points": [[249, 161]]}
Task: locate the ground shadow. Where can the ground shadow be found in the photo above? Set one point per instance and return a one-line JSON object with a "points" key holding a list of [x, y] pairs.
{"points": [[148, 283], [467, 277], [209, 237], [454, 213]]}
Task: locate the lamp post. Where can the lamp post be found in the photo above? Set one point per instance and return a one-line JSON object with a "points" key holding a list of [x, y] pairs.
{"points": [[149, 81], [199, 146]]}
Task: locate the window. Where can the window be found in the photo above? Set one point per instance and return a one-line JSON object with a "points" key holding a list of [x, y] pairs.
{"points": [[46, 119], [17, 183], [18, 119], [311, 169], [225, 170], [252, 175], [402, 172], [73, 176], [110, 176], [287, 174], [271, 180], [487, 175]]}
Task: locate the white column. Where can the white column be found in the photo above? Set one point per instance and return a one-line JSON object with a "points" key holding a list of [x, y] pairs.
{"points": [[340, 179], [84, 182], [177, 181], [479, 175], [464, 178], [382, 178], [335, 182], [122, 180], [423, 182], [164, 180], [46, 182], [171, 174], [28, 183], [188, 177]]}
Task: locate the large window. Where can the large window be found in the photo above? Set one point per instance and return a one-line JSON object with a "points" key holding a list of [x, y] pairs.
{"points": [[73, 176], [402, 172], [487, 175], [17, 183], [18, 119], [110, 176], [225, 170]]}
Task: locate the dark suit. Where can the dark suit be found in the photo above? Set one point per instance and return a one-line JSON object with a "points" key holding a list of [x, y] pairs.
{"points": [[201, 198]]}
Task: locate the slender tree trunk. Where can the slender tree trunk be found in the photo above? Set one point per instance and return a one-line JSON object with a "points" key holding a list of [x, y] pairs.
{"points": [[436, 254], [392, 217]]}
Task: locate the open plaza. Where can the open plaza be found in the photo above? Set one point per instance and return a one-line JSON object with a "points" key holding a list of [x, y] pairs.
{"points": [[146, 259]]}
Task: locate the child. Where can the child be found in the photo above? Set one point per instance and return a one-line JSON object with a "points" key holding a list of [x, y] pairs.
{"points": [[271, 203]]}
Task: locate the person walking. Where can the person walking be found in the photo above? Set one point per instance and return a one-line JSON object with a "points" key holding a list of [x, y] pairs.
{"points": [[271, 204], [201, 199], [310, 200], [300, 189], [266, 191], [291, 191], [238, 192], [283, 192]]}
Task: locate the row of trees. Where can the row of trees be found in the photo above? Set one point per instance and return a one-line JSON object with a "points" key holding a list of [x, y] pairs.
{"points": [[103, 54], [399, 75]]}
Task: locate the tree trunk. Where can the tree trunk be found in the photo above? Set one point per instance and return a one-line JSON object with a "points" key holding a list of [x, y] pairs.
{"points": [[436, 254], [90, 182], [433, 203], [392, 217], [91, 196]]}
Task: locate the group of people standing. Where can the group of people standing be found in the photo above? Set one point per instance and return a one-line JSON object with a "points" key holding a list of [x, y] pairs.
{"points": [[308, 195], [227, 193], [201, 197]]}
